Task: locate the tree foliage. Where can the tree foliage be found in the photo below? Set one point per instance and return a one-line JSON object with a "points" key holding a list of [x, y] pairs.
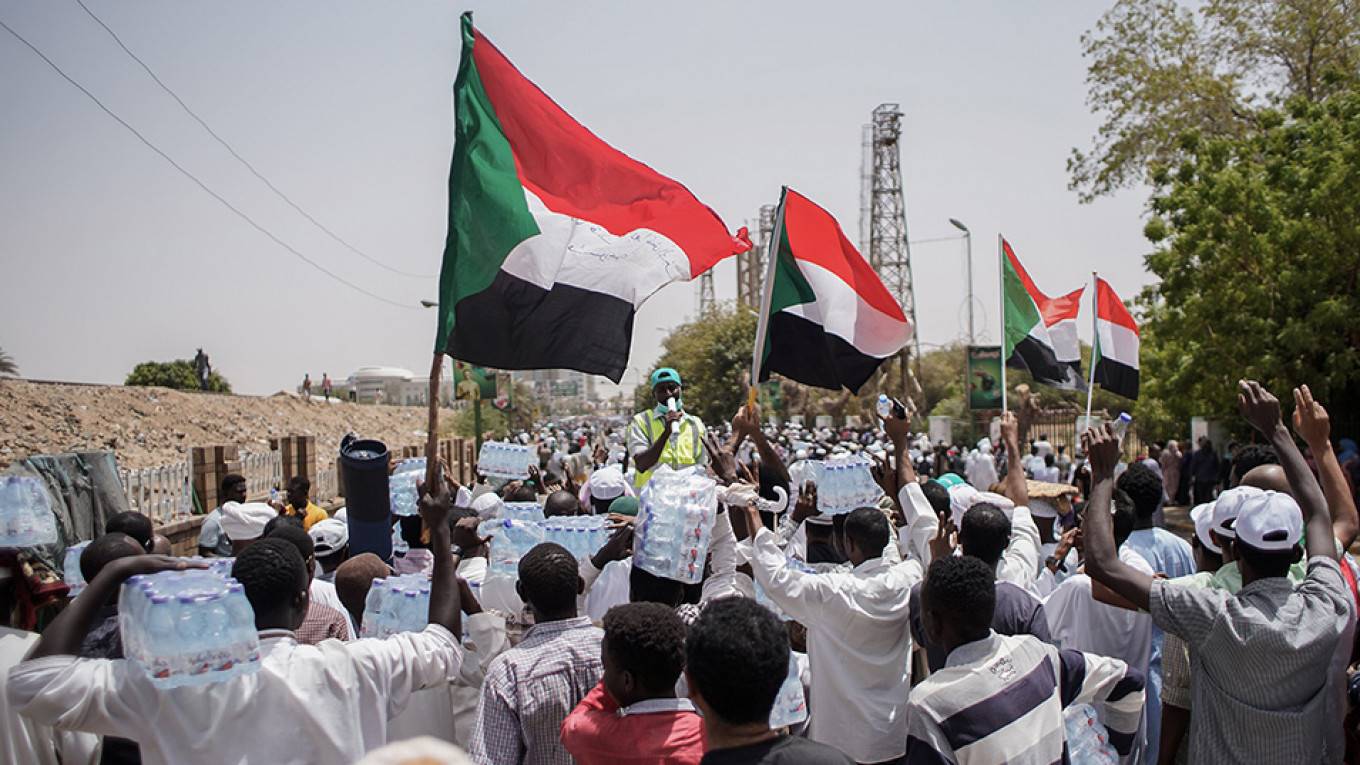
{"points": [[8, 367], [525, 414], [713, 356], [1157, 70], [1258, 253], [178, 374]]}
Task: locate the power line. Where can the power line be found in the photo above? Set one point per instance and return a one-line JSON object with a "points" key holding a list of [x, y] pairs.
{"points": [[238, 156], [194, 178]]}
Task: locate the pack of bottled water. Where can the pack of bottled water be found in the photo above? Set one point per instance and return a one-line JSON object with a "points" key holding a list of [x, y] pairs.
{"points": [[790, 706], [1087, 739], [510, 539], [410, 465], [674, 526], [501, 460], [401, 492], [845, 484], [523, 511], [583, 535], [26, 518], [396, 604], [70, 568], [188, 627]]}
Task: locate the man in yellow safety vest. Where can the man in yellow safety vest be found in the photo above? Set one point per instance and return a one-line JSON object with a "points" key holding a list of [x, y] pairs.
{"points": [[650, 440]]}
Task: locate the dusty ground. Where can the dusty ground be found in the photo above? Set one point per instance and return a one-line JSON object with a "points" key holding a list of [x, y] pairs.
{"points": [[152, 426]]}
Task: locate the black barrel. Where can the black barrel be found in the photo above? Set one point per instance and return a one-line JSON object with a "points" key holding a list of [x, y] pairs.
{"points": [[363, 467]]}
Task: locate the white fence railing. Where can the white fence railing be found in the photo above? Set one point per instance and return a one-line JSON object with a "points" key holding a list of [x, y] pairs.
{"points": [[162, 493], [263, 471], [327, 485]]}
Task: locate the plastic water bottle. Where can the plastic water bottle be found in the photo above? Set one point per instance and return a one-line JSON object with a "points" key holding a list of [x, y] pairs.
{"points": [[70, 570], [1121, 425], [1087, 739], [790, 706], [884, 406], [26, 518], [402, 493], [675, 524], [244, 640]]}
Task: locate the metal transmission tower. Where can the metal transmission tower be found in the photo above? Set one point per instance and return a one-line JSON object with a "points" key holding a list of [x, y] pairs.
{"points": [[744, 274], [888, 251], [758, 258], [707, 301]]}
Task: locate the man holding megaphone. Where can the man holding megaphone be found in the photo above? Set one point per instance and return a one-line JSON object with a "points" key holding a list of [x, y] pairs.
{"points": [[664, 434]]}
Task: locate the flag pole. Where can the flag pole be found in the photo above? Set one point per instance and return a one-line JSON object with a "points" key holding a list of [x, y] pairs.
{"points": [[1095, 342], [1001, 279], [766, 295], [432, 473]]}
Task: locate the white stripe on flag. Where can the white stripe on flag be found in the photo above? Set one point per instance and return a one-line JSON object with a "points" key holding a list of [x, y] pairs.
{"points": [[842, 312], [1118, 343], [582, 254], [1064, 337]]}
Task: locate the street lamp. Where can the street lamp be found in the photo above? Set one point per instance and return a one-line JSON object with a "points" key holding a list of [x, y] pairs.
{"points": [[968, 241], [429, 304]]}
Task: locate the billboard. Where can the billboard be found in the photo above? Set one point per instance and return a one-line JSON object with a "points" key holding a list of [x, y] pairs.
{"points": [[984, 377], [472, 383]]}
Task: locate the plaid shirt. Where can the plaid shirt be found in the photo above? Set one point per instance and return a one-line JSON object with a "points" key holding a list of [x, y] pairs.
{"points": [[322, 623], [530, 689]]}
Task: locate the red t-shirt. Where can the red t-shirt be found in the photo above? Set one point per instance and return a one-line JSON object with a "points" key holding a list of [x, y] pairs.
{"points": [[652, 732]]}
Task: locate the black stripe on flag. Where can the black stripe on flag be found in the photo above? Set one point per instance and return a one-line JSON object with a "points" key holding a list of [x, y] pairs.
{"points": [[1038, 359], [803, 351], [514, 324], [1117, 378]]}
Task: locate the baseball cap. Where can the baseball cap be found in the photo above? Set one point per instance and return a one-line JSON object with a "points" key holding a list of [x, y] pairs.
{"points": [[624, 506], [329, 536], [950, 480], [665, 374], [1269, 521], [1203, 516], [1228, 506]]}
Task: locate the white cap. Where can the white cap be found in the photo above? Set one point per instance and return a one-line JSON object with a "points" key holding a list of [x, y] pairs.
{"points": [[607, 483], [244, 521], [328, 536], [1228, 506], [963, 496], [821, 519], [1269, 521], [488, 506], [1203, 516], [1042, 508]]}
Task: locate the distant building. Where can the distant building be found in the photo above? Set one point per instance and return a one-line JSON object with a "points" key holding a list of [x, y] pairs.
{"points": [[565, 391], [391, 385]]}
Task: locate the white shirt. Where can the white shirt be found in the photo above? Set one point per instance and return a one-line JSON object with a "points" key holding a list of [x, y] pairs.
{"points": [[448, 712], [328, 702], [980, 470], [859, 645], [1019, 564], [1046, 473], [1076, 620], [23, 740]]}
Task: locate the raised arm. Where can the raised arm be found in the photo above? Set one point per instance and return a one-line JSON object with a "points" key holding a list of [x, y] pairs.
{"points": [[1016, 488], [747, 424], [1262, 410], [1097, 527], [435, 507], [1315, 428]]}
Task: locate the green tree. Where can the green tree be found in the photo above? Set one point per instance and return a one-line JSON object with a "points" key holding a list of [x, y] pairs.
{"points": [[1157, 69], [7, 365], [178, 374], [525, 413], [1258, 254]]}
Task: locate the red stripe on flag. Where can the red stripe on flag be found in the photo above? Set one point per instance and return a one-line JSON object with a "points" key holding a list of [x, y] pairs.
{"points": [[577, 174], [1053, 310], [1110, 308], [814, 236]]}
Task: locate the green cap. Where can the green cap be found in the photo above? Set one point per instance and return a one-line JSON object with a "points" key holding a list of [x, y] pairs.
{"points": [[665, 374], [624, 506], [950, 480]]}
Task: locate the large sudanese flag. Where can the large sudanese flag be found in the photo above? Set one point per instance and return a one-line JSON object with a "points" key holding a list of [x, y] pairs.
{"points": [[1040, 333], [829, 321], [1115, 353], [555, 237]]}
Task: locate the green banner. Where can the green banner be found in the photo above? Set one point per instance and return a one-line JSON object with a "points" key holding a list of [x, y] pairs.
{"points": [[984, 377], [471, 383]]}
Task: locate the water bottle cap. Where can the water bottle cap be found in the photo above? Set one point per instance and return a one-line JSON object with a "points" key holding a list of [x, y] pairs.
{"points": [[159, 599], [1125, 417], [184, 599]]}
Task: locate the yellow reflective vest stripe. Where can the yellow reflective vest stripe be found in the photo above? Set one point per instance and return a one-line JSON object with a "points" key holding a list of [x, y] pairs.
{"points": [[683, 448]]}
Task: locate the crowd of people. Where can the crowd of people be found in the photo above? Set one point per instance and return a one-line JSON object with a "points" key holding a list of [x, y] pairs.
{"points": [[961, 618]]}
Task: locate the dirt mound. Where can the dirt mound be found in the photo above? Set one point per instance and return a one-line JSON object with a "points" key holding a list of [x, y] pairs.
{"points": [[153, 426]]}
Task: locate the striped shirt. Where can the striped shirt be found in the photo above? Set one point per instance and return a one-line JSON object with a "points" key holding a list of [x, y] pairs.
{"points": [[531, 688], [1000, 700], [1266, 686]]}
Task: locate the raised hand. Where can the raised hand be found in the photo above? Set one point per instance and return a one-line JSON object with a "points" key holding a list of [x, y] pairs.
{"points": [[1102, 449], [746, 421], [436, 502], [1258, 406], [1311, 421], [896, 428], [134, 565], [723, 461], [619, 546], [806, 506], [942, 546], [465, 534], [1010, 431]]}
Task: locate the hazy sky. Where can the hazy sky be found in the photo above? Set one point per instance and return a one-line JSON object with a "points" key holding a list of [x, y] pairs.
{"points": [[108, 256]]}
